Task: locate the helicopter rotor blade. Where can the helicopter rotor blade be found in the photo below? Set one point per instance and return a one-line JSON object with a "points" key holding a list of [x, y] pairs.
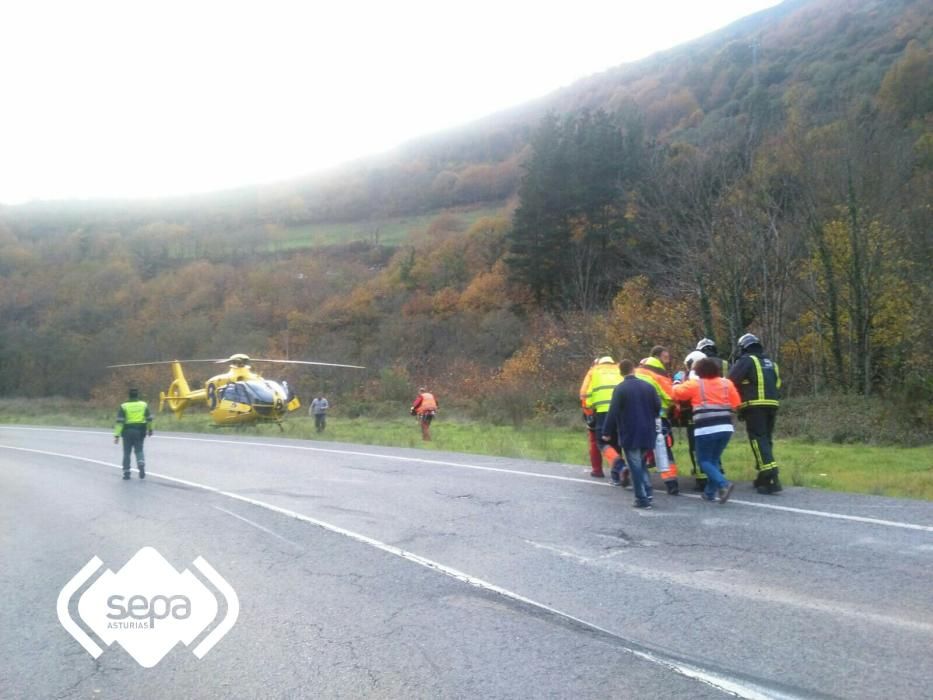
{"points": [[305, 362], [159, 362]]}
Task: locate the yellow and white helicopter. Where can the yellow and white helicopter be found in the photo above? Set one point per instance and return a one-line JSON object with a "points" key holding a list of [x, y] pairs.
{"points": [[236, 397]]}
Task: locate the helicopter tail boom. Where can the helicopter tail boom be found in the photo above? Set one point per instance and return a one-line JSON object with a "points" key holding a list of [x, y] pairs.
{"points": [[179, 394]]}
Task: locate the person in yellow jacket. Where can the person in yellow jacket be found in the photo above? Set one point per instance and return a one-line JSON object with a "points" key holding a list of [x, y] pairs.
{"points": [[134, 423], [654, 371], [595, 397], [589, 417]]}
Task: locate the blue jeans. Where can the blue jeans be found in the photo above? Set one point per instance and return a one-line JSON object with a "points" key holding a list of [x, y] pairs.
{"points": [[641, 482], [709, 453]]}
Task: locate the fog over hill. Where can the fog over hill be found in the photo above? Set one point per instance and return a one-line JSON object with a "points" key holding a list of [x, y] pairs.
{"points": [[819, 51]]}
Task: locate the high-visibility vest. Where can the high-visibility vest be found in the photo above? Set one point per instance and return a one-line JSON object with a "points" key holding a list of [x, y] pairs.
{"points": [[654, 372], [713, 400], [132, 413], [428, 403], [603, 379]]}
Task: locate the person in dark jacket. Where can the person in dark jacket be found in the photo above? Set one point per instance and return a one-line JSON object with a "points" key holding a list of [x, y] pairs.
{"points": [[632, 423], [134, 422], [758, 379]]}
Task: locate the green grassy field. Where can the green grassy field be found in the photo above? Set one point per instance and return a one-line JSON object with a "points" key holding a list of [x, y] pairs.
{"points": [[389, 231], [888, 471]]}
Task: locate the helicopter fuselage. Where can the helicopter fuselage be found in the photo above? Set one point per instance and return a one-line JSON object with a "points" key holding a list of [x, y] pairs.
{"points": [[233, 398]]}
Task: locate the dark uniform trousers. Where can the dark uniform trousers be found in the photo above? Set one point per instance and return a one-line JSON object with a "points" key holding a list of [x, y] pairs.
{"points": [[759, 423], [133, 436]]}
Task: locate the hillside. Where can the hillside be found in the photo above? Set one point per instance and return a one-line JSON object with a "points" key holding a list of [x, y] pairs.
{"points": [[774, 175], [814, 55]]}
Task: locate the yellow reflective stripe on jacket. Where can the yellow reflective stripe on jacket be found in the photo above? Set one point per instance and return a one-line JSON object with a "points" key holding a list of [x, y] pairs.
{"points": [[760, 375], [760, 378]]}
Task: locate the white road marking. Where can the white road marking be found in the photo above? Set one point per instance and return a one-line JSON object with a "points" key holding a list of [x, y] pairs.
{"points": [[826, 514], [517, 472], [256, 525], [163, 436], [739, 687], [730, 583]]}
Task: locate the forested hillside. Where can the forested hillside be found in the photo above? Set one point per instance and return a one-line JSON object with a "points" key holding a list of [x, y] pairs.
{"points": [[774, 176]]}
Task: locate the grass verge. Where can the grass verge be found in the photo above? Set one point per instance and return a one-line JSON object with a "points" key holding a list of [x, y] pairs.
{"points": [[905, 472]]}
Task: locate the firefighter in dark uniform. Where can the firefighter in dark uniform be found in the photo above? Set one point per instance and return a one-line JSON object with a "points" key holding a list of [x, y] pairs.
{"points": [[758, 380], [134, 422]]}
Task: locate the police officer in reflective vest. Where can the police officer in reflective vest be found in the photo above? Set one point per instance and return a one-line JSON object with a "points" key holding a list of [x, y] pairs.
{"points": [[134, 422], [758, 380]]}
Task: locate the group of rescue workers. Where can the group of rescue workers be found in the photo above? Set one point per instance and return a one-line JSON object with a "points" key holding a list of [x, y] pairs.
{"points": [[702, 398], [628, 424]]}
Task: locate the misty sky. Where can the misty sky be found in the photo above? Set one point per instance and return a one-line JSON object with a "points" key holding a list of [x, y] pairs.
{"points": [[133, 99]]}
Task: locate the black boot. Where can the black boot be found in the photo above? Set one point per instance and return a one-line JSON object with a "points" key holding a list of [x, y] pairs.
{"points": [[126, 476], [142, 471], [776, 485], [700, 485], [765, 480]]}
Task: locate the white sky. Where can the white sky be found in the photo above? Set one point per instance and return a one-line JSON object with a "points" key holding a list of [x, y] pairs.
{"points": [[139, 99]]}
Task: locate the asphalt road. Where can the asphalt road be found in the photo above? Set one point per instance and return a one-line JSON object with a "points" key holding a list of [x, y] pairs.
{"points": [[384, 572]]}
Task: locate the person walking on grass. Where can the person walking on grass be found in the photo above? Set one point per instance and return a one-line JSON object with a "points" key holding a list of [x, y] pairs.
{"points": [[630, 423], [425, 408], [318, 409], [713, 401], [134, 423]]}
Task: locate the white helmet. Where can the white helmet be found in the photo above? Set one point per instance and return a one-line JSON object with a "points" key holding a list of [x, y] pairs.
{"points": [[605, 360], [706, 343], [747, 340], [690, 359]]}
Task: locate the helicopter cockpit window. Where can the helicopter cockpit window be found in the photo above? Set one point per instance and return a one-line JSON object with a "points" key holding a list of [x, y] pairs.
{"points": [[261, 392], [235, 392]]}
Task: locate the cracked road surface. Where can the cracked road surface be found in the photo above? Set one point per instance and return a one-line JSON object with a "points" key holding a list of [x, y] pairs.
{"points": [[384, 572]]}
